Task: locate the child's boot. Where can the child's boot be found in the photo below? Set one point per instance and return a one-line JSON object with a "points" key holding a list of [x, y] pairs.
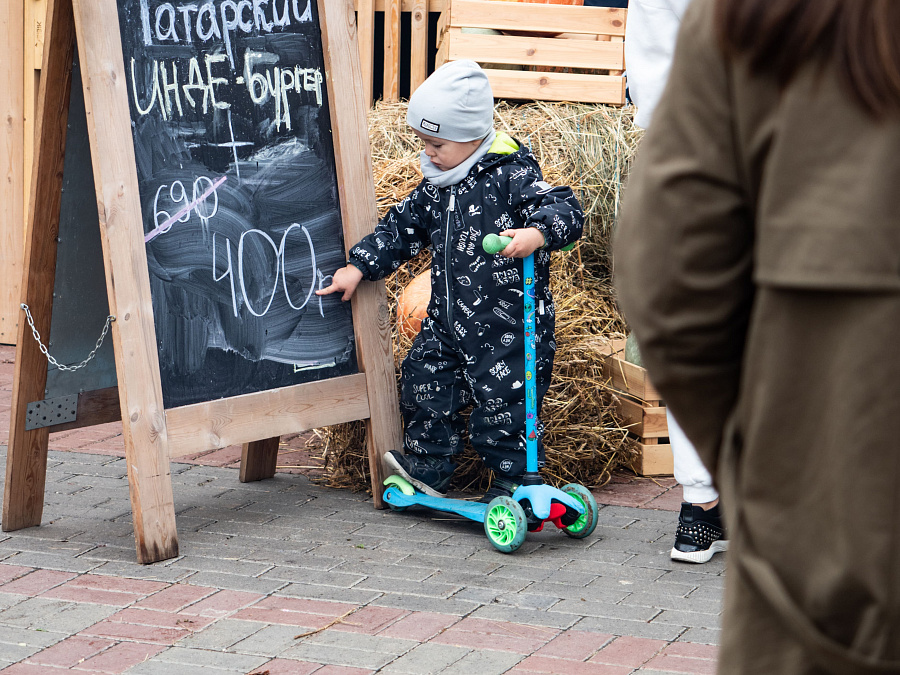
{"points": [[500, 487], [429, 474]]}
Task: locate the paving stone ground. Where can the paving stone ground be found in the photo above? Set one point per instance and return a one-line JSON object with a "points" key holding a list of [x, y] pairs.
{"points": [[285, 576]]}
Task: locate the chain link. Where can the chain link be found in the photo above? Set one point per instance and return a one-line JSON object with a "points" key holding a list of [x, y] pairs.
{"points": [[45, 351]]}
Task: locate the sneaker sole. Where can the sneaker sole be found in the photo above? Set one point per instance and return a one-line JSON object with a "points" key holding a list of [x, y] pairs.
{"points": [[419, 485], [699, 556]]}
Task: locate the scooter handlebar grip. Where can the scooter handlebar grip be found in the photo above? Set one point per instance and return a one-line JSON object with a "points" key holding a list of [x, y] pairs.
{"points": [[494, 243]]}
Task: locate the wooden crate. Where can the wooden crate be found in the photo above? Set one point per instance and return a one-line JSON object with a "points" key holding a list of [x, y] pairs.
{"points": [[534, 43], [642, 410]]}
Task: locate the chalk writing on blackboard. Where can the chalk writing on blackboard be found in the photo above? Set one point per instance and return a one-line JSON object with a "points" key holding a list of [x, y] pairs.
{"points": [[197, 204], [235, 160]]}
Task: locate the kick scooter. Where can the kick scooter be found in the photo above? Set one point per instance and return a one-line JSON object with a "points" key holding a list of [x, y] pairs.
{"points": [[571, 508]]}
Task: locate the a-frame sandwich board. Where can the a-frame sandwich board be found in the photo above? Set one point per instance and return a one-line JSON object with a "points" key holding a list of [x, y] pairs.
{"points": [[359, 383]]}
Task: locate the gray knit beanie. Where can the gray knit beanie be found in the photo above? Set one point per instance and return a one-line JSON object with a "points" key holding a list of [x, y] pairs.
{"points": [[455, 103]]}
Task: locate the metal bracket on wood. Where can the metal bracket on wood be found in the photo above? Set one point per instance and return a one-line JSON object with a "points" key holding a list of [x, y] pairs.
{"points": [[51, 411]]}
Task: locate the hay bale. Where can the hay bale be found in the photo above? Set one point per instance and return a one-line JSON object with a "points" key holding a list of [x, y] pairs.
{"points": [[589, 147]]}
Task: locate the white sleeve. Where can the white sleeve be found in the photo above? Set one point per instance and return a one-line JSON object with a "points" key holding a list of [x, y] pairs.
{"points": [[650, 34]]}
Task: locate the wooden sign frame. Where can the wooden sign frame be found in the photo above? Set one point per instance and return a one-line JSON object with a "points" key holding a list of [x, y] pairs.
{"points": [[153, 434]]}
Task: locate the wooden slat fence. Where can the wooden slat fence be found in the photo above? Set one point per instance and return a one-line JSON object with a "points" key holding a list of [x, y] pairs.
{"points": [[402, 41], [391, 65]]}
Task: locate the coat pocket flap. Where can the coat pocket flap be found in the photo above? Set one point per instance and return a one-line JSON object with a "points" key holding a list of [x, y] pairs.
{"points": [[843, 258]]}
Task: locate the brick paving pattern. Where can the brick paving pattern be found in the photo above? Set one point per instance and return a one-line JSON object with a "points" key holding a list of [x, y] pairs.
{"points": [[287, 577]]}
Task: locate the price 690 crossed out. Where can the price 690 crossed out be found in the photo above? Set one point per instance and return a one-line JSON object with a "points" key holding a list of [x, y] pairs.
{"points": [[204, 188]]}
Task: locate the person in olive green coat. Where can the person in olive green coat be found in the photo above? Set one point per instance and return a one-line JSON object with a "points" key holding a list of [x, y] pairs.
{"points": [[758, 263]]}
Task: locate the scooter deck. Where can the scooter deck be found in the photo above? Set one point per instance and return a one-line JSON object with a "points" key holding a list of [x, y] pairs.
{"points": [[471, 510]]}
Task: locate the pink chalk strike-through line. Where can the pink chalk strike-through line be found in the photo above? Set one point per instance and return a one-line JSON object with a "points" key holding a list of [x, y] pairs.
{"points": [[184, 209]]}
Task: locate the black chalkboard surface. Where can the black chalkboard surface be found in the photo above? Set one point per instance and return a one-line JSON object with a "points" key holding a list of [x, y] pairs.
{"points": [[80, 303], [239, 194]]}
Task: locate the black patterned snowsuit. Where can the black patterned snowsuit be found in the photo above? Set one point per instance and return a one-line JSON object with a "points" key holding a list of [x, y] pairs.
{"points": [[470, 349]]}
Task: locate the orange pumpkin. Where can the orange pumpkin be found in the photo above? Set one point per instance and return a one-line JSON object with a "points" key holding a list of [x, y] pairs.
{"points": [[412, 306]]}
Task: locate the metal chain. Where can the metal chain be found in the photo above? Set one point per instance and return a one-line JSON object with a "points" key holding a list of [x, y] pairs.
{"points": [[53, 361]]}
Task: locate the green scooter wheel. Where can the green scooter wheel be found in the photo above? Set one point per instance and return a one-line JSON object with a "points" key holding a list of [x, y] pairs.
{"points": [[587, 523], [401, 484], [505, 524]]}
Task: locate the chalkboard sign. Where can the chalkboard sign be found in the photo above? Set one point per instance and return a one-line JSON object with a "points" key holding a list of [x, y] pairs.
{"points": [[242, 223], [230, 160]]}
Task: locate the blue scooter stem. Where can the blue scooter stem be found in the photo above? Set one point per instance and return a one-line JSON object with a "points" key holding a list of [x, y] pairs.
{"points": [[531, 459], [493, 243]]}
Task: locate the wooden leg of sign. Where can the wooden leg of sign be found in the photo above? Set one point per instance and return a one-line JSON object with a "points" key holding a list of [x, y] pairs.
{"points": [[372, 326], [258, 459], [371, 315], [127, 279], [26, 461]]}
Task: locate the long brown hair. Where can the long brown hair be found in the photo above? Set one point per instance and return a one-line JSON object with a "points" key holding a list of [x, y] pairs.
{"points": [[860, 37]]}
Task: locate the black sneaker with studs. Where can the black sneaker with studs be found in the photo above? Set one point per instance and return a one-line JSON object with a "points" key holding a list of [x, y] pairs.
{"points": [[429, 474], [700, 534], [500, 487]]}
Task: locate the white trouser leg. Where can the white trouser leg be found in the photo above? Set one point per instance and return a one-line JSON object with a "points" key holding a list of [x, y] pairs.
{"points": [[689, 470]]}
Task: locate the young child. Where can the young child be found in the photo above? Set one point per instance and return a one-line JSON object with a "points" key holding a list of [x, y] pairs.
{"points": [[470, 349]]}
